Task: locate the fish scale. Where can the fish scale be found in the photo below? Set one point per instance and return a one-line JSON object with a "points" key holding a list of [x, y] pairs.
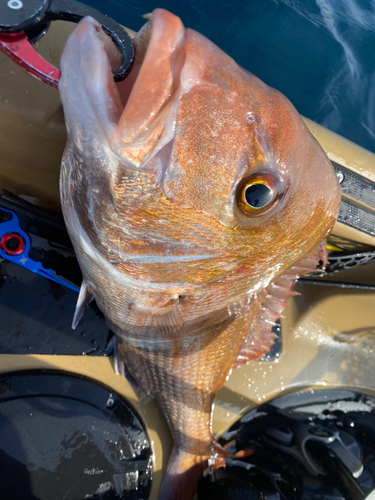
{"points": [[194, 380]]}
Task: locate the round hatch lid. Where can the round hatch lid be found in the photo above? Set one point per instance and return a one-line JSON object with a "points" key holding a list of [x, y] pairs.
{"points": [[306, 445], [66, 437]]}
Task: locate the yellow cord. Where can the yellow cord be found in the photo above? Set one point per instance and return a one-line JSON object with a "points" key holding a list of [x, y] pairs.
{"points": [[333, 248]]}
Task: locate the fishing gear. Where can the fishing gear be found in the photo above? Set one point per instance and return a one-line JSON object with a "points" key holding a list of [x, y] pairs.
{"points": [[36, 239], [24, 23], [342, 261], [357, 209]]}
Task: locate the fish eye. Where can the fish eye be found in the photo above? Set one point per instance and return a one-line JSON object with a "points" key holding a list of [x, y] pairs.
{"points": [[259, 192], [258, 195]]}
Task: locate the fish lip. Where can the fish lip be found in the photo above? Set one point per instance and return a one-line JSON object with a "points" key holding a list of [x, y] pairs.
{"points": [[126, 123], [147, 123]]}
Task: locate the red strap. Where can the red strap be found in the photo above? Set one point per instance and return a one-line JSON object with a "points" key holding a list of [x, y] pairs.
{"points": [[18, 48]]}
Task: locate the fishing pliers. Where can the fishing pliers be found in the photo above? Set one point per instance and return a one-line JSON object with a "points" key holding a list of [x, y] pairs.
{"points": [[36, 239], [24, 22]]}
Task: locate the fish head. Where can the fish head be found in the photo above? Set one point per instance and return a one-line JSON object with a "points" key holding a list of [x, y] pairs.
{"points": [[191, 172]]}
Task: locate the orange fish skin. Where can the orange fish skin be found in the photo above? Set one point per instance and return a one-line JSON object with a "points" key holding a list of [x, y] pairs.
{"points": [[151, 184]]}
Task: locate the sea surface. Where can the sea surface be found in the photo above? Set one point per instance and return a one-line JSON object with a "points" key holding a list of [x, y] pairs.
{"points": [[319, 53]]}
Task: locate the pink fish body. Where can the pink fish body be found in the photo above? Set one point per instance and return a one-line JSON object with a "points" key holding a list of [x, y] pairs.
{"points": [[192, 193]]}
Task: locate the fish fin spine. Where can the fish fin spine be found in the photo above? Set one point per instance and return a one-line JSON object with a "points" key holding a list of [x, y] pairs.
{"points": [[260, 337], [84, 299], [118, 361]]}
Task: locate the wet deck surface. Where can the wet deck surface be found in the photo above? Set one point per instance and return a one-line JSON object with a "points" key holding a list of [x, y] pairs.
{"points": [[36, 316]]}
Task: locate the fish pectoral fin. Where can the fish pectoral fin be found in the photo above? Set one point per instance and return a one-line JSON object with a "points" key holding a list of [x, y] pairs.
{"points": [[166, 320], [260, 337], [84, 299]]}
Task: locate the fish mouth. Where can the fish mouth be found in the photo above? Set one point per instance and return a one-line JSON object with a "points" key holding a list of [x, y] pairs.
{"points": [[137, 116]]}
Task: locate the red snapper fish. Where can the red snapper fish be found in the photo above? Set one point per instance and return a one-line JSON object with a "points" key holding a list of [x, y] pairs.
{"points": [[194, 195]]}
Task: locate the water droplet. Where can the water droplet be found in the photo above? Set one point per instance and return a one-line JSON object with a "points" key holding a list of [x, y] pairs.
{"points": [[340, 176], [5, 98], [110, 401]]}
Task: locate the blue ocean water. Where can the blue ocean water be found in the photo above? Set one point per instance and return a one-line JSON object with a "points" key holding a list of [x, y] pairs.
{"points": [[319, 53]]}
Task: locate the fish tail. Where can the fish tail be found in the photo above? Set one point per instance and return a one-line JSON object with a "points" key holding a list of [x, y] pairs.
{"points": [[182, 475]]}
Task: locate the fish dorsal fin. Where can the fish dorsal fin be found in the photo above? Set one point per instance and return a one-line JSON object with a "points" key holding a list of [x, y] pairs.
{"points": [[260, 336]]}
